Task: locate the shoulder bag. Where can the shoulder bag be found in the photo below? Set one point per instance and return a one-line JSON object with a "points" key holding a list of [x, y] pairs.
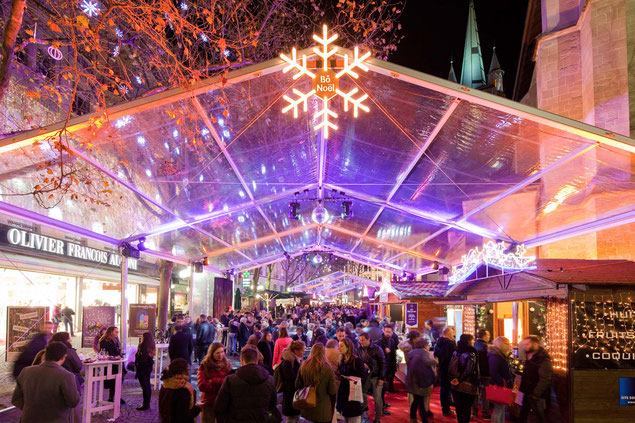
{"points": [[305, 398], [499, 394]]}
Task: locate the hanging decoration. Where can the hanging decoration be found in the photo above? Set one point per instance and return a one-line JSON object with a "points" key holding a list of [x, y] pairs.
{"points": [[492, 254], [556, 333], [469, 319], [90, 8], [603, 332], [326, 81]]}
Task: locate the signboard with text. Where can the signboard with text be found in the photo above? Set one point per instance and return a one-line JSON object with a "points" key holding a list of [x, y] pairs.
{"points": [[603, 334], [22, 322], [142, 318], [94, 318], [627, 391], [412, 311]]}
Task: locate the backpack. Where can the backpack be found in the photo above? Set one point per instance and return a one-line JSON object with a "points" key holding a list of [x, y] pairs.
{"points": [[277, 378], [454, 370]]}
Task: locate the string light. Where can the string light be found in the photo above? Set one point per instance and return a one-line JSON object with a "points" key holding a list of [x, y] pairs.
{"points": [[557, 333], [469, 319], [492, 254]]}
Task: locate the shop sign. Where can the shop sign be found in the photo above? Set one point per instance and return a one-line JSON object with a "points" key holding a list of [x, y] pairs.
{"points": [[21, 323], [94, 318], [627, 391], [412, 314], [142, 319], [34, 241], [603, 334]]}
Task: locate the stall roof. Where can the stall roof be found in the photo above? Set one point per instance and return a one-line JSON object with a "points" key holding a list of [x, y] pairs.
{"points": [[432, 170], [420, 289]]}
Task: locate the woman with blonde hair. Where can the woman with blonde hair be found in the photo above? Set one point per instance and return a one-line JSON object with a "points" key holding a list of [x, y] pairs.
{"points": [[500, 372], [316, 371], [211, 374]]}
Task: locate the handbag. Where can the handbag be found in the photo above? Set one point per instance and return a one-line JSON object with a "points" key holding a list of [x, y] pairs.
{"points": [[499, 394], [466, 388], [305, 398]]}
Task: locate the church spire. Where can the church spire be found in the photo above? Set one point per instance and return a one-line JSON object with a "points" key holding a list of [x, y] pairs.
{"points": [[452, 75], [495, 74], [472, 72]]}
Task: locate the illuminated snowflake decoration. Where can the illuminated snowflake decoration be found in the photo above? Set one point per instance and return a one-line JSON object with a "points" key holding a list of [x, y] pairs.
{"points": [[90, 8], [326, 82]]}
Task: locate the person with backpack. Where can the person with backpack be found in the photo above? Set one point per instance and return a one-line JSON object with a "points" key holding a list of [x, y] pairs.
{"points": [[285, 376], [420, 378], [443, 350], [465, 378], [315, 371]]}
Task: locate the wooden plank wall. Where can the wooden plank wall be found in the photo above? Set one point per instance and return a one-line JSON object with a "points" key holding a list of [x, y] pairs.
{"points": [[596, 395], [427, 310]]}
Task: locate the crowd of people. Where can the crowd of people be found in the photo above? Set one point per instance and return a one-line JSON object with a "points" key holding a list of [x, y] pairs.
{"points": [[319, 363]]}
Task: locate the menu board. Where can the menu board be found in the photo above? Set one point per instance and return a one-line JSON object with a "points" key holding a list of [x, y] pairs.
{"points": [[603, 334], [94, 318], [412, 314], [142, 319], [22, 322]]}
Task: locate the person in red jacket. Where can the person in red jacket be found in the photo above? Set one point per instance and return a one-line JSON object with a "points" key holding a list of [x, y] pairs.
{"points": [[211, 375]]}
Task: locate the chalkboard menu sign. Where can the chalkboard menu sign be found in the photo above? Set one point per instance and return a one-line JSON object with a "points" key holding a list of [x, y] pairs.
{"points": [[604, 333]]}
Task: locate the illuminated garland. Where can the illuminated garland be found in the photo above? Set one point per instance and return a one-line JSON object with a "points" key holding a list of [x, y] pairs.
{"points": [[557, 333], [492, 254], [469, 319]]}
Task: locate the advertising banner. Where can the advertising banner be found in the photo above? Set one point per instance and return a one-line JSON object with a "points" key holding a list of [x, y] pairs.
{"points": [[603, 334], [412, 314], [94, 318], [142, 318], [21, 323], [627, 391]]}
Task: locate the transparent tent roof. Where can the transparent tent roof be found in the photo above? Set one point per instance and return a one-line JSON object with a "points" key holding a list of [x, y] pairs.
{"points": [[433, 169]]}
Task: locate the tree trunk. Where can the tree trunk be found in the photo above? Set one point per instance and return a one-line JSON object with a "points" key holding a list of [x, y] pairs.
{"points": [[165, 280], [8, 43]]}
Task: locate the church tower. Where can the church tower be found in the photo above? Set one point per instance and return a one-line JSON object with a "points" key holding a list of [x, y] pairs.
{"points": [[452, 75], [472, 71], [495, 76]]}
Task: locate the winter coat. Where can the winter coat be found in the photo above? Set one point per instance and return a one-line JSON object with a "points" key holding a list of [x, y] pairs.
{"points": [[326, 390], [420, 374], [46, 391], [26, 357], [243, 334], [181, 346], [209, 382], [246, 396], [374, 358], [267, 355], [405, 347], [177, 401], [281, 344], [467, 368], [500, 371], [481, 346], [537, 374], [143, 365], [205, 334], [443, 350], [355, 367], [391, 357], [289, 368]]}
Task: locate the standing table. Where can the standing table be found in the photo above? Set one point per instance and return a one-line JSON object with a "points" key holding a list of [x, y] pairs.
{"points": [[159, 354], [96, 373]]}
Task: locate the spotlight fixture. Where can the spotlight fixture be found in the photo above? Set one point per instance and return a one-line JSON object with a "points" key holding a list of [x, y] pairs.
{"points": [[141, 245], [404, 274], [331, 257], [294, 210], [286, 255], [434, 266], [444, 270], [198, 267], [347, 209], [320, 215], [128, 250], [206, 261]]}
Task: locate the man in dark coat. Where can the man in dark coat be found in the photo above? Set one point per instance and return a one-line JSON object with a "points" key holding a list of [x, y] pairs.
{"points": [[67, 318], [205, 336], [536, 380], [47, 389], [248, 395], [181, 344], [373, 357], [389, 346], [374, 331], [481, 346], [443, 350], [37, 344]]}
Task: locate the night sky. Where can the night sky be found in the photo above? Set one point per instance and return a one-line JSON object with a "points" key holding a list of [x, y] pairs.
{"points": [[434, 31]]}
